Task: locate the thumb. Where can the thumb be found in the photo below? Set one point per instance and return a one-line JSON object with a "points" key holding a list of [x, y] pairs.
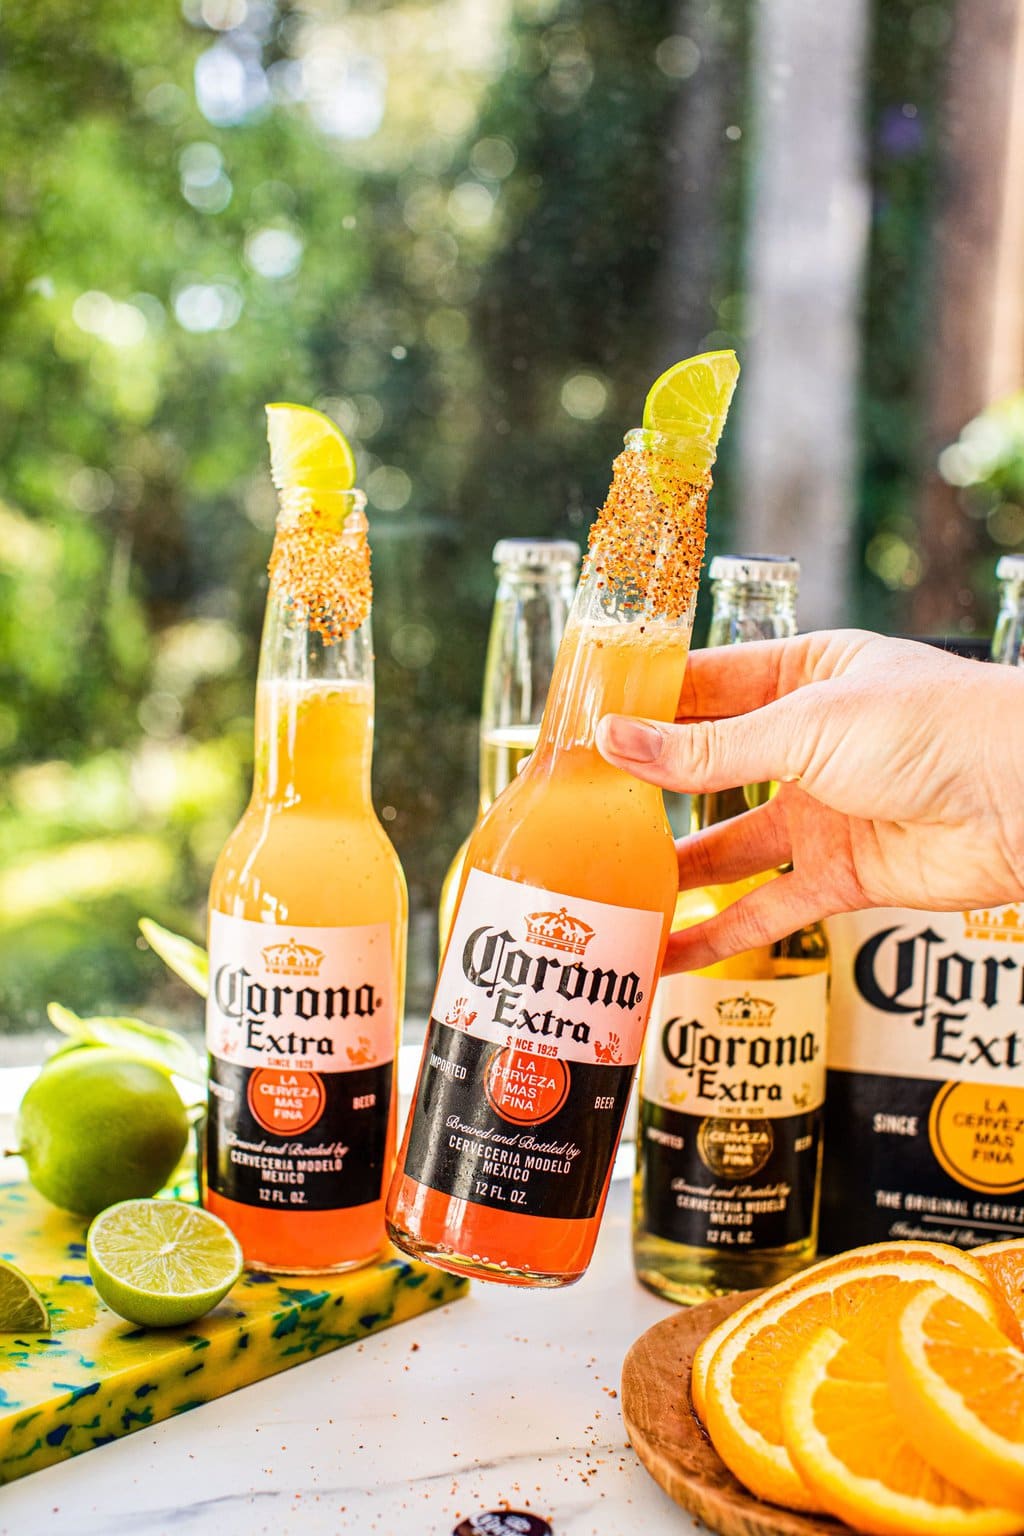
{"points": [[708, 755]]}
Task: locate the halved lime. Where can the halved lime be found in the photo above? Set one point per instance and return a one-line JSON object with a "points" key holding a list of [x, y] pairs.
{"points": [[22, 1309], [187, 960], [690, 402], [161, 1263], [308, 448]]}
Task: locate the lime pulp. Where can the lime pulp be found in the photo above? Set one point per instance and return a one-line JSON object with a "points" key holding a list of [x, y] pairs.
{"points": [[161, 1263], [22, 1309]]}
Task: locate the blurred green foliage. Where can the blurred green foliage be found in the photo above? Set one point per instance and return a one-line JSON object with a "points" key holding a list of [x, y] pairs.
{"points": [[441, 226], [986, 465], [471, 233]]}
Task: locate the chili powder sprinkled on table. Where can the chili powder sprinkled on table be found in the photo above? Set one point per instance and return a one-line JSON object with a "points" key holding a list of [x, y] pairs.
{"points": [[648, 538], [323, 571]]}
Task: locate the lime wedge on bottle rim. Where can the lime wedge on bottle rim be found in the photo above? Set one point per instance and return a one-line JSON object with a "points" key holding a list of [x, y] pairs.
{"points": [[307, 448], [22, 1309], [689, 403], [161, 1263]]}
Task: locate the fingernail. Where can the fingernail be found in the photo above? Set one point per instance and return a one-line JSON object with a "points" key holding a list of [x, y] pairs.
{"points": [[633, 739]]}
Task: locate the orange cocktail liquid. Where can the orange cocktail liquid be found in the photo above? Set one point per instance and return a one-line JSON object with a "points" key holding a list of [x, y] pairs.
{"points": [[574, 826], [310, 855]]}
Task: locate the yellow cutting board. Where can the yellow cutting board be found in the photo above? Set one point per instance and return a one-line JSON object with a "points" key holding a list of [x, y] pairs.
{"points": [[96, 1377]]}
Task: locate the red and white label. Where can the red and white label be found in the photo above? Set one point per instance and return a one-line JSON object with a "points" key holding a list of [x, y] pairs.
{"points": [[301, 999], [556, 976]]}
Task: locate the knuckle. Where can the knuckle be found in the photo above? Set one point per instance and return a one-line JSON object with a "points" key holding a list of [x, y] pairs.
{"points": [[694, 752], [695, 860]]}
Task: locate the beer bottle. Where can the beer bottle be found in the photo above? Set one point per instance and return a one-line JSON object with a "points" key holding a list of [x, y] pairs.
{"points": [[307, 916], [925, 1100], [1008, 638], [563, 914], [536, 581], [733, 1073]]}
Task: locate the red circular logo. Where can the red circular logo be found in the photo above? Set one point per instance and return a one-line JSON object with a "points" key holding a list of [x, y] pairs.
{"points": [[284, 1102], [525, 1088]]}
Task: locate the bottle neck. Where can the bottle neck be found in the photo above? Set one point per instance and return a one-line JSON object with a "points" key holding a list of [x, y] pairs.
{"points": [[531, 607], [628, 632], [1008, 638], [314, 692], [744, 611], [609, 665]]}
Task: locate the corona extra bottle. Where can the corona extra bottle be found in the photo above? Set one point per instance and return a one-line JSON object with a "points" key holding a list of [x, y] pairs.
{"points": [[926, 1044], [536, 581], [733, 1074], [307, 906], [563, 910]]}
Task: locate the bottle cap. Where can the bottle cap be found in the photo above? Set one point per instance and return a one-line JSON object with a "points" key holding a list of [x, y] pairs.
{"points": [[1010, 568], [541, 553], [755, 568]]}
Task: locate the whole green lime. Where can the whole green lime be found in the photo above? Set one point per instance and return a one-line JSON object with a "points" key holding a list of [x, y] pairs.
{"points": [[99, 1126]]}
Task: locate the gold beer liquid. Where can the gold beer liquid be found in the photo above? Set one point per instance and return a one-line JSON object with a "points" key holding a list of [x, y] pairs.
{"points": [[536, 582], [732, 1079]]}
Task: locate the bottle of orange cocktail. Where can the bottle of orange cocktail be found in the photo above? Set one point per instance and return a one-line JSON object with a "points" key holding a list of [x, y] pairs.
{"points": [[307, 905], [565, 903]]}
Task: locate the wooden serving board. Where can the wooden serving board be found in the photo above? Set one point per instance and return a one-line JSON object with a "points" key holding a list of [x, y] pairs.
{"points": [[96, 1377], [666, 1434]]}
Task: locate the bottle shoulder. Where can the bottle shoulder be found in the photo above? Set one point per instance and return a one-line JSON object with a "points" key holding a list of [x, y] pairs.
{"points": [[802, 953], [305, 869], [582, 835]]}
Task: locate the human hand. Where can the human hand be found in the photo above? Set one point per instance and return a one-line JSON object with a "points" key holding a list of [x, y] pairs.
{"points": [[901, 772]]}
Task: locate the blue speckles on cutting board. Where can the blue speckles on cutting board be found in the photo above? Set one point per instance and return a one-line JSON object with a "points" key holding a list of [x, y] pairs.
{"points": [[96, 1378]]}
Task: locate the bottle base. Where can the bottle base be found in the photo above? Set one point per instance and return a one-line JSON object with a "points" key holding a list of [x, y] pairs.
{"points": [[476, 1266], [688, 1276], [253, 1264], [302, 1242]]}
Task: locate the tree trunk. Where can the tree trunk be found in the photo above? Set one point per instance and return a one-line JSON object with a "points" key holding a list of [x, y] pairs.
{"points": [[979, 323], [807, 242]]}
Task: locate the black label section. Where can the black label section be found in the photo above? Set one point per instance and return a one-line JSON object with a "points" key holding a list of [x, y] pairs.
{"points": [[728, 1183], [547, 1155], [881, 1179], [326, 1163]]}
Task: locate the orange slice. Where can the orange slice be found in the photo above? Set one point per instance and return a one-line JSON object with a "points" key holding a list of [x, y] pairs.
{"points": [[960, 1384], [1004, 1263], [846, 1434], [743, 1389], [943, 1253]]}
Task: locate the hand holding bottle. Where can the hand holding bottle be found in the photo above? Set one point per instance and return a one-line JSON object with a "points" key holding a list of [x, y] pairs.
{"points": [[901, 781]]}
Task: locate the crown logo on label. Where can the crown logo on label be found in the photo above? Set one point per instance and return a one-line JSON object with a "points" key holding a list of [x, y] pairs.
{"points": [[292, 959], [1004, 924], [746, 1010], [558, 930]]}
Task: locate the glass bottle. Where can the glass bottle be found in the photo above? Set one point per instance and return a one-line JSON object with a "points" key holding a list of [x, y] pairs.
{"points": [[536, 582], [917, 1123], [307, 925], [733, 1076], [562, 919], [1008, 638]]}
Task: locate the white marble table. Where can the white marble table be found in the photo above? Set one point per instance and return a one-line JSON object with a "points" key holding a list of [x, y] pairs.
{"points": [[506, 1396]]}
